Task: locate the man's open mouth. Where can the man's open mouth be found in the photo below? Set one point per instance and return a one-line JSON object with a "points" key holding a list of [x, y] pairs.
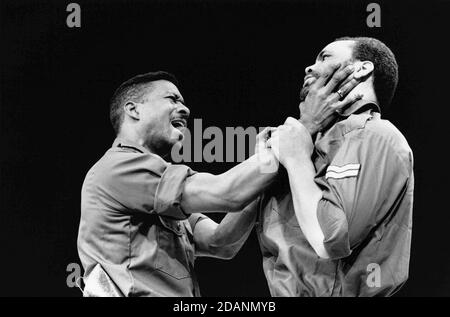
{"points": [[178, 123]]}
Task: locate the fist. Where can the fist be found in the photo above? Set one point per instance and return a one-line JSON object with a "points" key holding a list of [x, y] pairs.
{"points": [[268, 163], [291, 141]]}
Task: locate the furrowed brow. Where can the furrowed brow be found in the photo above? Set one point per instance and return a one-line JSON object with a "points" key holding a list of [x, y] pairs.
{"points": [[177, 97]]}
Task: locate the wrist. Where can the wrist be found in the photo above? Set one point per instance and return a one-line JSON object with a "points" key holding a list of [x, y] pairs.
{"points": [[268, 162], [309, 125], [296, 162]]}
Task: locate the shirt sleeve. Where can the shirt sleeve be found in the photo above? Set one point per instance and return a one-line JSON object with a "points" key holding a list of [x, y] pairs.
{"points": [[196, 218], [145, 183], [362, 183]]}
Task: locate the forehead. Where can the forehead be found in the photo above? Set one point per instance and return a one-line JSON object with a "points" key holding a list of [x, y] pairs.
{"points": [[342, 48], [162, 87]]}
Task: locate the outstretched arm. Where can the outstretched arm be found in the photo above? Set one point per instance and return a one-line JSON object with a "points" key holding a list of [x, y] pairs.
{"points": [[234, 189], [293, 145], [306, 196], [224, 240]]}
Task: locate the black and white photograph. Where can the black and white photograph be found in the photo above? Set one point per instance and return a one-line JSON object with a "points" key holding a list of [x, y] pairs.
{"points": [[227, 149]]}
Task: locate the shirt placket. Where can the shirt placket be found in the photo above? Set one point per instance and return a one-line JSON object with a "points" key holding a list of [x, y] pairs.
{"points": [[189, 251]]}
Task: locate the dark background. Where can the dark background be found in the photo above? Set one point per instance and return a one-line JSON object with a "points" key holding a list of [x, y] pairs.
{"points": [[240, 63]]}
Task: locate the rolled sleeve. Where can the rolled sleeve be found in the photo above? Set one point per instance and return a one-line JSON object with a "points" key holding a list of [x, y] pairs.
{"points": [[196, 218], [170, 190], [334, 225], [133, 182]]}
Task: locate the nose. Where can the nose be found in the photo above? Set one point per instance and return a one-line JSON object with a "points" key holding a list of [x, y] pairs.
{"points": [[309, 69], [184, 111]]}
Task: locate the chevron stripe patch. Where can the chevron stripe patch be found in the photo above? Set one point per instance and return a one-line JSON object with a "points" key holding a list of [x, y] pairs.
{"points": [[337, 172]]}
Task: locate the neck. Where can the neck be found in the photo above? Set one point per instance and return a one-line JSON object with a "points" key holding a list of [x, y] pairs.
{"points": [[140, 138], [366, 89], [133, 136]]}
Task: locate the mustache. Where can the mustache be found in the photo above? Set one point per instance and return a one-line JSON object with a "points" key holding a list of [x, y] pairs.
{"points": [[311, 75]]}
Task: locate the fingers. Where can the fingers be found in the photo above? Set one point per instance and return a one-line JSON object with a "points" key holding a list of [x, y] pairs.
{"points": [[322, 80], [275, 131], [347, 80], [266, 131], [338, 77], [261, 139], [342, 67], [347, 87], [265, 134], [348, 101], [273, 139]]}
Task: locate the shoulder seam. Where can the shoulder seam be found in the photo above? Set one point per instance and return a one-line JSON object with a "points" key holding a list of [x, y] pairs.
{"points": [[389, 143]]}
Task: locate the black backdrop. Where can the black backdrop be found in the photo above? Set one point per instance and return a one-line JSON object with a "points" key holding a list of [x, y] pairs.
{"points": [[240, 63]]}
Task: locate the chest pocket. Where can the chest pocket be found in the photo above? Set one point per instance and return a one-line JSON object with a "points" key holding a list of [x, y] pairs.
{"points": [[175, 251], [281, 211], [279, 226]]}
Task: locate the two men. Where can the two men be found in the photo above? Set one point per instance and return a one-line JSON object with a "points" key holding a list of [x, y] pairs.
{"points": [[340, 223], [140, 227], [342, 212]]}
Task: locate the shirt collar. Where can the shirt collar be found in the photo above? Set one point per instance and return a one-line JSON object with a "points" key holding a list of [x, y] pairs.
{"points": [[361, 106], [365, 110], [121, 142]]}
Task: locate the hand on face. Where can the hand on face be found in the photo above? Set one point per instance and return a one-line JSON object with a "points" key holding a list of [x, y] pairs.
{"points": [[291, 141], [328, 96]]}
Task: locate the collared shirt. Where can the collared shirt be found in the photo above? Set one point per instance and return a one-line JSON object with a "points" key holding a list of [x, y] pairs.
{"points": [[364, 167], [132, 224]]}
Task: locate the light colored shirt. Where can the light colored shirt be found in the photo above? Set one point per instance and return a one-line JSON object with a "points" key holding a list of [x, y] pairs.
{"points": [[364, 166], [132, 224]]}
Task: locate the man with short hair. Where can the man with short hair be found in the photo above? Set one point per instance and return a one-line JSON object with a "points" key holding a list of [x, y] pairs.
{"points": [[136, 235], [340, 223], [140, 226]]}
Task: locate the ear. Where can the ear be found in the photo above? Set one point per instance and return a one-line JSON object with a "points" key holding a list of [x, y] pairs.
{"points": [[363, 69], [132, 110]]}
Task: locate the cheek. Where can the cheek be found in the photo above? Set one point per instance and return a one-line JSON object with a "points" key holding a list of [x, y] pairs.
{"points": [[146, 115], [156, 118], [327, 67]]}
